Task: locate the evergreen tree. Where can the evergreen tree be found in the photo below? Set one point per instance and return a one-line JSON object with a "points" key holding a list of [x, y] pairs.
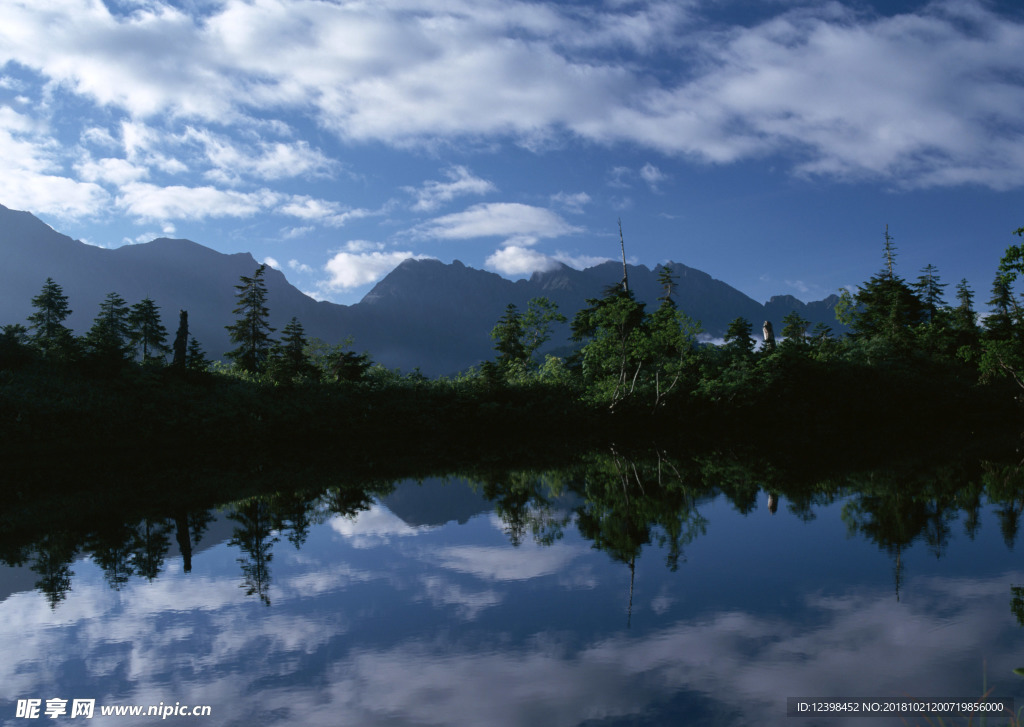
{"points": [[251, 331], [508, 339], [738, 338], [108, 341], [928, 290], [667, 283], [794, 329], [195, 357], [289, 360], [49, 334], [148, 335], [964, 319], [885, 305]]}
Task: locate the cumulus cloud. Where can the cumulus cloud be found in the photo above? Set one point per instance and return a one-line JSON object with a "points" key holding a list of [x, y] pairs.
{"points": [[349, 270], [500, 219], [460, 182], [930, 97], [518, 260]]}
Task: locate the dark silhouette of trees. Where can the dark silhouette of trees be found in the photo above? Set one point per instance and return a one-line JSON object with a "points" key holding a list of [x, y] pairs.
{"points": [[252, 330], [49, 334]]}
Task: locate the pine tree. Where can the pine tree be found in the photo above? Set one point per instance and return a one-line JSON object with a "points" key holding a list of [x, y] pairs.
{"points": [[885, 305], [108, 341], [147, 332], [929, 291], [195, 358], [49, 334], [508, 339], [738, 337], [667, 283], [251, 331], [794, 328], [289, 360], [964, 319]]}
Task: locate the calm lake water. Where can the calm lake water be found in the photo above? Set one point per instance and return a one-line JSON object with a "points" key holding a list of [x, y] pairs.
{"points": [[435, 605]]}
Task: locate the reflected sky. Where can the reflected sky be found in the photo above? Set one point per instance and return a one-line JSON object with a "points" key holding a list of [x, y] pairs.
{"points": [[376, 621]]}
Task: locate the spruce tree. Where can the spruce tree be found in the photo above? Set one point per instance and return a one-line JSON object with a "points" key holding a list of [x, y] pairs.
{"points": [[289, 360], [108, 341], [885, 305], [251, 331], [49, 334], [147, 332]]}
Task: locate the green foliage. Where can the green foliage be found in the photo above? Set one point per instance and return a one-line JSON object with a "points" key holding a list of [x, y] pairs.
{"points": [[885, 305], [251, 331], [615, 339], [195, 358], [738, 340], [289, 362], [336, 363], [518, 337]]}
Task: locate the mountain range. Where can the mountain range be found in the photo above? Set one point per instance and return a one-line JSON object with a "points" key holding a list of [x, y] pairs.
{"points": [[425, 313]]}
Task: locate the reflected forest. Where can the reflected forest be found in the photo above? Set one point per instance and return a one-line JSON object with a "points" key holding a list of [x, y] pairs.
{"points": [[125, 443]]}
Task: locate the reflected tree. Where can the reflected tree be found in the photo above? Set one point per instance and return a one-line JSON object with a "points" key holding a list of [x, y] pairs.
{"points": [[254, 536]]}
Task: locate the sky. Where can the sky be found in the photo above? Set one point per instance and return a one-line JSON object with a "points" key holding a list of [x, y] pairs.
{"points": [[766, 142]]}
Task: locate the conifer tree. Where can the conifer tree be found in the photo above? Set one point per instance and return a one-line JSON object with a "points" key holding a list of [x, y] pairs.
{"points": [[289, 359], [108, 341], [885, 305], [148, 335], [49, 334], [964, 319], [251, 331]]}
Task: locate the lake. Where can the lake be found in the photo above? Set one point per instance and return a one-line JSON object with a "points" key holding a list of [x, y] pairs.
{"points": [[618, 590]]}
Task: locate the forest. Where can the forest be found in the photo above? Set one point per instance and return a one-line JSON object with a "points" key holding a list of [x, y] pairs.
{"points": [[913, 372]]}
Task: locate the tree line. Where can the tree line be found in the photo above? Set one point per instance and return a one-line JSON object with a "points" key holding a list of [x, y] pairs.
{"points": [[909, 362]]}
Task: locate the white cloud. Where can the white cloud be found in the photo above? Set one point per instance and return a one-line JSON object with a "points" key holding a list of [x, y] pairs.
{"points": [[500, 219], [152, 202], [272, 262], [516, 260], [461, 182], [653, 176], [572, 202], [299, 267], [110, 170], [505, 564], [931, 97], [34, 177], [363, 246], [350, 270], [321, 211], [580, 262]]}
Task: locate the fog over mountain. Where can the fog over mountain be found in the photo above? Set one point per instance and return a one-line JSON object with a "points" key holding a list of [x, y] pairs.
{"points": [[437, 316]]}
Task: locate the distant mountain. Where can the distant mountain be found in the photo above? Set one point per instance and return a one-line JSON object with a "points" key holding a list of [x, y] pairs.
{"points": [[424, 313]]}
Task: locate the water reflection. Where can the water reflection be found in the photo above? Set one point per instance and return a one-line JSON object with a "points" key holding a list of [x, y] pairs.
{"points": [[620, 589]]}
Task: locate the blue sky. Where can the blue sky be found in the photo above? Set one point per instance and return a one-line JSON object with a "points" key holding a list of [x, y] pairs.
{"points": [[767, 142]]}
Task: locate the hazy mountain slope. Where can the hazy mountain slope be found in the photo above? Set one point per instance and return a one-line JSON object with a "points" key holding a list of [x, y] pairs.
{"points": [[424, 313]]}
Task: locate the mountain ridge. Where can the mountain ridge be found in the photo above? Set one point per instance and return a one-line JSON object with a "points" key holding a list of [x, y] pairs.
{"points": [[425, 313]]}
